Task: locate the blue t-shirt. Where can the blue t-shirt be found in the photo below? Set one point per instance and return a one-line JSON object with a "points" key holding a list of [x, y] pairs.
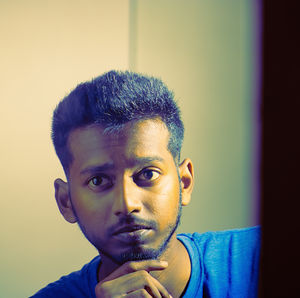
{"points": [[223, 264]]}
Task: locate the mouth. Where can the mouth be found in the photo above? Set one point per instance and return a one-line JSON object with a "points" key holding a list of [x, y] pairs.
{"points": [[131, 229], [132, 234]]}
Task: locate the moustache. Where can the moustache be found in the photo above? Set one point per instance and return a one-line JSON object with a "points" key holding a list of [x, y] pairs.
{"points": [[131, 220]]}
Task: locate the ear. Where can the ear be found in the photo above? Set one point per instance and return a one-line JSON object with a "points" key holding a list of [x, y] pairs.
{"points": [[186, 172], [63, 200]]}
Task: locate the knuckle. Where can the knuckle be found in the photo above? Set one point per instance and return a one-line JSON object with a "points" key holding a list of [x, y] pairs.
{"points": [[101, 290], [131, 266], [144, 274], [144, 293]]}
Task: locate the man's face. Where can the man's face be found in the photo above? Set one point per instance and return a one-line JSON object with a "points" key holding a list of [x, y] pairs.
{"points": [[124, 189]]}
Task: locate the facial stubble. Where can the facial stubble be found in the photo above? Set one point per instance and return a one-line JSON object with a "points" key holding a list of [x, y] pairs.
{"points": [[136, 252]]}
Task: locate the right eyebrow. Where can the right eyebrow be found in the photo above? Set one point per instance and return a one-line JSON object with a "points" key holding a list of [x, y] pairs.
{"points": [[98, 168]]}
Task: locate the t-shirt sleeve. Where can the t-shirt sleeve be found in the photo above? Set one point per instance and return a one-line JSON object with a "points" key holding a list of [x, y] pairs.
{"points": [[75, 285], [231, 262]]}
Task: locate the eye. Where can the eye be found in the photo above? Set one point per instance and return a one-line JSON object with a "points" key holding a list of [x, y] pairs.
{"points": [[99, 182], [96, 181], [147, 175]]}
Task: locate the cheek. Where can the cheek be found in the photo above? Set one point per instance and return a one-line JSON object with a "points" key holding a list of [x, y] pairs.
{"points": [[169, 189], [89, 207], [166, 200]]}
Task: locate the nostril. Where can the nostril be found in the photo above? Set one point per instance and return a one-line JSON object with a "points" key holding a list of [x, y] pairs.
{"points": [[126, 212], [118, 213]]}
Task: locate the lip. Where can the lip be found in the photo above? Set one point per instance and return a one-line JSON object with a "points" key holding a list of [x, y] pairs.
{"points": [[130, 229], [132, 234]]}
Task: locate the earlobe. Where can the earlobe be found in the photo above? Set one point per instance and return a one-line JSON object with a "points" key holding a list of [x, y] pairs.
{"points": [[63, 200], [186, 172]]}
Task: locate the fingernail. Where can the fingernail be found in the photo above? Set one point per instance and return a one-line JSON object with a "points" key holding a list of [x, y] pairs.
{"points": [[164, 263]]}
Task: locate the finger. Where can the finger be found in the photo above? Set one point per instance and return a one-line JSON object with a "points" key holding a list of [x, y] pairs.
{"points": [[147, 282], [132, 282], [148, 265], [162, 290], [141, 280], [139, 293]]}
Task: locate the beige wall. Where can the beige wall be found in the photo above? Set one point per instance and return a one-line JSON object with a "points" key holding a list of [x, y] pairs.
{"points": [[205, 51], [202, 49], [47, 47]]}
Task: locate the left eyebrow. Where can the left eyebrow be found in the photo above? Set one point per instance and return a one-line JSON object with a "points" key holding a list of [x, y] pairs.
{"points": [[99, 168], [137, 161]]}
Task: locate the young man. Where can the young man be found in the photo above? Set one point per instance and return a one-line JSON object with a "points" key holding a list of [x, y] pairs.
{"points": [[119, 138]]}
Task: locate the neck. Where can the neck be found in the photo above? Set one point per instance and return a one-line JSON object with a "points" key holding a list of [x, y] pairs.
{"points": [[174, 278]]}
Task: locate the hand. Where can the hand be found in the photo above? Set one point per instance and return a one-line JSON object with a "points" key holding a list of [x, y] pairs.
{"points": [[132, 279]]}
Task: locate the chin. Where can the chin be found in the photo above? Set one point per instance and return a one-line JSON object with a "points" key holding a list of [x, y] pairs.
{"points": [[139, 254], [134, 253]]}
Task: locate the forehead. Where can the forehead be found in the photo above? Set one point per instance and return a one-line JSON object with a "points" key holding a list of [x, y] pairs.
{"points": [[145, 138]]}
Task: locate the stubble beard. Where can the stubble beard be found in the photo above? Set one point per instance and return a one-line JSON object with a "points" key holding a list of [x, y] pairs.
{"points": [[137, 253]]}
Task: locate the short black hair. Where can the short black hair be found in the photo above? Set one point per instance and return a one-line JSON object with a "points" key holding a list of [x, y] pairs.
{"points": [[111, 100]]}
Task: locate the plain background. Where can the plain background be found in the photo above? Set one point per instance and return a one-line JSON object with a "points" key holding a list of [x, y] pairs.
{"points": [[280, 259], [206, 51]]}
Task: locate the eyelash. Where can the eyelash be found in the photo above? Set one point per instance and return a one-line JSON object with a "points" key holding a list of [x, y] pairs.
{"points": [[138, 175], [101, 177]]}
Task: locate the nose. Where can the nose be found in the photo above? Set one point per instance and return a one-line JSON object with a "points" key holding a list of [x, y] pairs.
{"points": [[126, 198]]}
